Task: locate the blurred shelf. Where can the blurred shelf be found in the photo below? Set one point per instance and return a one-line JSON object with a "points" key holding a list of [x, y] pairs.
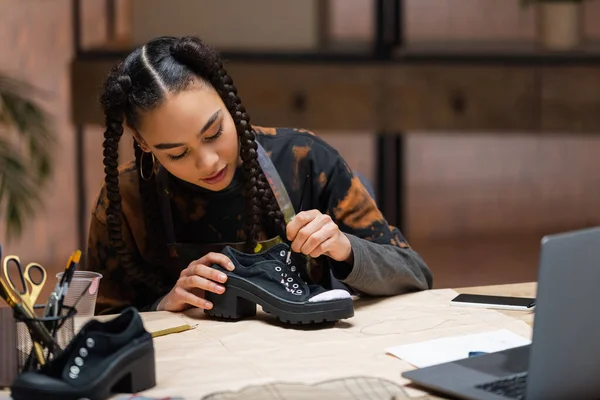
{"points": [[338, 52], [499, 53], [394, 97], [502, 53]]}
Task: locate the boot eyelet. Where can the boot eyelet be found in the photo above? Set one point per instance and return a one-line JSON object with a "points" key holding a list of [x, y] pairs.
{"points": [[74, 370], [295, 286], [79, 361], [90, 342], [282, 253], [83, 352], [73, 376], [289, 262], [278, 269], [293, 269], [299, 291], [290, 280]]}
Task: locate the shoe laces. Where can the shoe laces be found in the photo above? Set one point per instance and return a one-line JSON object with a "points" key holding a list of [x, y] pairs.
{"points": [[290, 276]]}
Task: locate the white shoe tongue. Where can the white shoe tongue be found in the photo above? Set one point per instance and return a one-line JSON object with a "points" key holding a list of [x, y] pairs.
{"points": [[335, 294]]}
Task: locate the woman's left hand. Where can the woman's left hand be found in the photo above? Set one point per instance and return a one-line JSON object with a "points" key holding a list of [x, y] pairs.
{"points": [[314, 233]]}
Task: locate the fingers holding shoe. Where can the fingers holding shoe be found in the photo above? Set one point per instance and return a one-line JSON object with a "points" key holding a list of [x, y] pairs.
{"points": [[194, 281]]}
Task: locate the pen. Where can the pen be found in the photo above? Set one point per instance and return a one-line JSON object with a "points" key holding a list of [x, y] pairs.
{"points": [[65, 280], [476, 353], [52, 304], [70, 271]]}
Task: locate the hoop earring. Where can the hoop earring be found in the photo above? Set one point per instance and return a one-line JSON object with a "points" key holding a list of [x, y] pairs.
{"points": [[142, 167]]}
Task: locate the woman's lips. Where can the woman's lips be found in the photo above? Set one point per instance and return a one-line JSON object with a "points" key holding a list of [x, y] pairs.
{"points": [[216, 178]]}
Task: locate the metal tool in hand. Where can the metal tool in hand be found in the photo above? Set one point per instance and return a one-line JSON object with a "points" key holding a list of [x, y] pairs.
{"points": [[29, 287], [276, 184], [279, 191]]}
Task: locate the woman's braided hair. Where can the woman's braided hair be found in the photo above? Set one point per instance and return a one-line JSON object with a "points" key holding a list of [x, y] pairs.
{"points": [[140, 83]]}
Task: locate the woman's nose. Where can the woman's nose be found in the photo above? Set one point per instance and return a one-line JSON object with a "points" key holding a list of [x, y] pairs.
{"points": [[206, 161]]}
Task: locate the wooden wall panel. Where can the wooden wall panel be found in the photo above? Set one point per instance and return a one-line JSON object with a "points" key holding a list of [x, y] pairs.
{"points": [[461, 184], [312, 96], [36, 41], [93, 26], [352, 20], [591, 16], [469, 20], [442, 20], [266, 25], [461, 98], [571, 99]]}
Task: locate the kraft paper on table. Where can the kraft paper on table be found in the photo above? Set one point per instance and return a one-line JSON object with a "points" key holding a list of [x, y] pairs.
{"points": [[217, 357]]}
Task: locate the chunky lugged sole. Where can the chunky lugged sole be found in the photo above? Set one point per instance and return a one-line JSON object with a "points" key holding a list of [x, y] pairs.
{"points": [[133, 372], [241, 297]]}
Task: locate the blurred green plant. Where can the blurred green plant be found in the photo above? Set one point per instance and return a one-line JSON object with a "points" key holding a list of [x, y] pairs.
{"points": [[26, 144]]}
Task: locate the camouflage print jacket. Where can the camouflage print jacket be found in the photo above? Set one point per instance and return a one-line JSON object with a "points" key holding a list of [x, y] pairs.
{"points": [[384, 263]]}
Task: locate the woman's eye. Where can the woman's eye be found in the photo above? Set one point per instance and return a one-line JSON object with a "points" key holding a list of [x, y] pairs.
{"points": [[216, 135], [179, 156]]}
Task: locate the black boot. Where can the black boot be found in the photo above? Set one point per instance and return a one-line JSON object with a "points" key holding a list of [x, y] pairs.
{"points": [[267, 279], [104, 358]]}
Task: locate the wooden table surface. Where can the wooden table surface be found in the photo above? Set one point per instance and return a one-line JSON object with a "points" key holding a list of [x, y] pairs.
{"points": [[518, 290]]}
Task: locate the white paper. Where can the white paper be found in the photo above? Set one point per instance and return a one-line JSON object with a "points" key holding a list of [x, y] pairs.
{"points": [[437, 351]]}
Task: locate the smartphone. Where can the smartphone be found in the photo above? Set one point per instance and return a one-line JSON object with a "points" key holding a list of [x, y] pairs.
{"points": [[500, 302]]}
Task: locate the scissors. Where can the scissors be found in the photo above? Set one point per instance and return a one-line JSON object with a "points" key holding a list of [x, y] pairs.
{"points": [[29, 289]]}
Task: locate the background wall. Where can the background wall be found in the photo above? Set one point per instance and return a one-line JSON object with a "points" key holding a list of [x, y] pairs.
{"points": [[35, 43], [248, 24], [469, 185], [437, 20], [459, 185]]}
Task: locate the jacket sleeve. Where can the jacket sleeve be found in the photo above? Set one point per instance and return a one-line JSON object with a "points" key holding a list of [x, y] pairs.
{"points": [[384, 263]]}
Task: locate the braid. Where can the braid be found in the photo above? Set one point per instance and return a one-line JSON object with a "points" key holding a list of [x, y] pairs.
{"points": [[114, 101], [260, 201], [155, 239], [250, 164], [258, 191]]}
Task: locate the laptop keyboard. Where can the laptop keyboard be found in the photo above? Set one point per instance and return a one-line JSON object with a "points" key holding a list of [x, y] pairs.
{"points": [[512, 387]]}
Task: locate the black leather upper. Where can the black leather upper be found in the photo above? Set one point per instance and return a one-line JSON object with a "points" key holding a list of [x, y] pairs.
{"points": [[90, 355], [270, 271]]}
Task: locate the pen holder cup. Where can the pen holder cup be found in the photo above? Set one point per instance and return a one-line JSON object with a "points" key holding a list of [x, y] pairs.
{"points": [[61, 327], [87, 281]]}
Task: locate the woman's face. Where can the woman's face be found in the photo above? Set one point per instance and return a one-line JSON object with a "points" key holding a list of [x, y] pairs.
{"points": [[193, 136]]}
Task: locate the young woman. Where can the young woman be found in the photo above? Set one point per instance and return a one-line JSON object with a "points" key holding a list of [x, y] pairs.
{"points": [[195, 186]]}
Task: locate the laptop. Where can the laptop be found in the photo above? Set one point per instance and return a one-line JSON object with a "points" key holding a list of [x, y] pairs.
{"points": [[563, 359]]}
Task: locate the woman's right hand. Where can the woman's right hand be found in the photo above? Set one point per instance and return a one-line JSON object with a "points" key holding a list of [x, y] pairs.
{"points": [[193, 281]]}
